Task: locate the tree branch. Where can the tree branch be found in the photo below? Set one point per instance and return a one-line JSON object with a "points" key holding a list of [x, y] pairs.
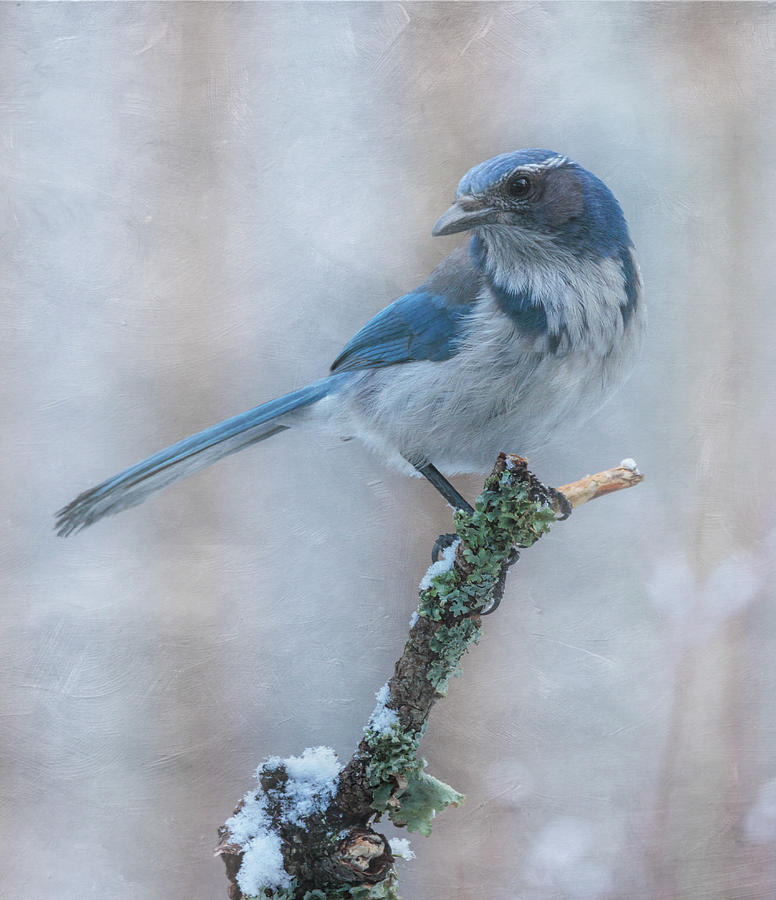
{"points": [[306, 833], [593, 486]]}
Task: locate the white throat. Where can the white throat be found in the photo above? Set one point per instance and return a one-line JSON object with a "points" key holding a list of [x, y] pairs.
{"points": [[575, 292]]}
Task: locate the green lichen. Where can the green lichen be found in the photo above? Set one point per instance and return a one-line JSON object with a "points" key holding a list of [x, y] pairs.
{"points": [[449, 642], [422, 799], [410, 796], [280, 894], [392, 752], [504, 516], [385, 890]]}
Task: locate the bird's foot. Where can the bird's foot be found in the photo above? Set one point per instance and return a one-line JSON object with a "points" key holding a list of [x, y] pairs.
{"points": [[561, 504], [497, 594], [442, 543]]}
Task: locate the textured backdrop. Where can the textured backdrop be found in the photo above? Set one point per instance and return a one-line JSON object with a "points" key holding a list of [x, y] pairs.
{"points": [[200, 204]]}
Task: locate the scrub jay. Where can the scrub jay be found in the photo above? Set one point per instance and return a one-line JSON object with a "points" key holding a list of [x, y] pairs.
{"points": [[526, 328]]}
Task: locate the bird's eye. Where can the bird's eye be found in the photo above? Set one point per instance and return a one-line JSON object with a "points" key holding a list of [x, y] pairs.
{"points": [[519, 187]]}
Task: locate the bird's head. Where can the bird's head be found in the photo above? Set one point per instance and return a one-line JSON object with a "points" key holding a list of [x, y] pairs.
{"points": [[537, 196]]}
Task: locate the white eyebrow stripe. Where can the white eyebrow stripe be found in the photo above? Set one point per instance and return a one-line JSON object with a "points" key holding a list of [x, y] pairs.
{"points": [[554, 162]]}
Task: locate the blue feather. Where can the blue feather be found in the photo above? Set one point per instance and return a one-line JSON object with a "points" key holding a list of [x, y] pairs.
{"points": [[540, 259], [529, 316], [632, 285], [131, 486], [486, 174], [601, 229], [427, 324]]}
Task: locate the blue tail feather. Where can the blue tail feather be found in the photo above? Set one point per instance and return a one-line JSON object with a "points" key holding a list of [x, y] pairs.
{"points": [[133, 485]]}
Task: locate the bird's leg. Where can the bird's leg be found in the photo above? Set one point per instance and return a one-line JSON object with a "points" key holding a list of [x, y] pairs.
{"points": [[429, 471], [432, 474]]}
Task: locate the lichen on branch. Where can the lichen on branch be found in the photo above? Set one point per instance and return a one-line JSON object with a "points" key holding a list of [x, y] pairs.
{"points": [[311, 835]]}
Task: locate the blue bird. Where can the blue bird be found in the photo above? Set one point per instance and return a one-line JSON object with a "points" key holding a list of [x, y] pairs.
{"points": [[522, 331]]}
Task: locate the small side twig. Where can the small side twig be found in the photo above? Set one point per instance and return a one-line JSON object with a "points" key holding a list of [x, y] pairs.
{"points": [[307, 833], [591, 487]]}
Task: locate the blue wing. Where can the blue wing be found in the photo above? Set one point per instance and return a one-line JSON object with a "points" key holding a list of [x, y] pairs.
{"points": [[428, 323]]}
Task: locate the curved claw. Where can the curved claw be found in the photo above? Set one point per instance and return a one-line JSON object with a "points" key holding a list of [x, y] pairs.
{"points": [[498, 590], [442, 543], [561, 503]]}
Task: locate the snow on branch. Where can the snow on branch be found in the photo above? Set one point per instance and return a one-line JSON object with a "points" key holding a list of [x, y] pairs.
{"points": [[306, 832]]}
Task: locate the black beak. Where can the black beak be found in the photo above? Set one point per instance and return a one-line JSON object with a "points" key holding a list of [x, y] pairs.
{"points": [[467, 212]]}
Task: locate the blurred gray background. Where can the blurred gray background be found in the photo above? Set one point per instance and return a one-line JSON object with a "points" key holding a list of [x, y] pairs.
{"points": [[200, 204]]}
